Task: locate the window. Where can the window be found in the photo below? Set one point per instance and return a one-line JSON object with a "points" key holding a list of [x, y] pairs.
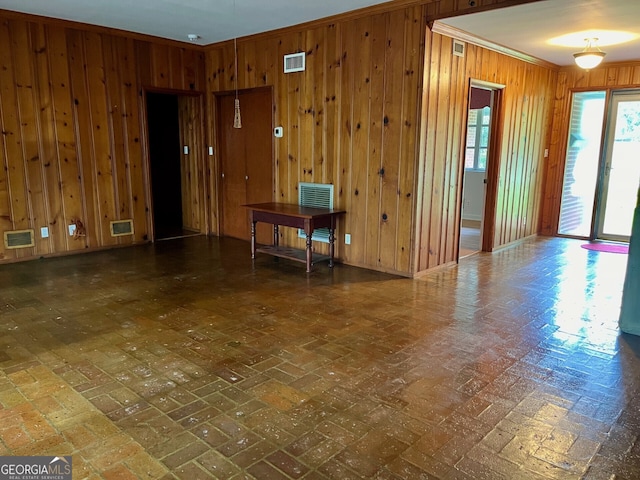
{"points": [[477, 139]]}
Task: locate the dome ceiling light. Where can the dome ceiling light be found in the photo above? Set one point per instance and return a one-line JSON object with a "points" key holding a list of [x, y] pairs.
{"points": [[591, 56]]}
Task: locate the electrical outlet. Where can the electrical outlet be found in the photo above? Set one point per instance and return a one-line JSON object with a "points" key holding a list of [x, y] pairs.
{"points": [[347, 239]]}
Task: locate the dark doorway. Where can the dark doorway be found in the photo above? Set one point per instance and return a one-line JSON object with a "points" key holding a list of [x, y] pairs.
{"points": [[164, 158]]}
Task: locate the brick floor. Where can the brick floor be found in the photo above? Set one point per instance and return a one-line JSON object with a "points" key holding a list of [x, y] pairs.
{"points": [[187, 360]]}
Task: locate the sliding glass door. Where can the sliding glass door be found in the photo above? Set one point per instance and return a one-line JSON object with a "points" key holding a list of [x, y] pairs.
{"points": [[602, 172], [621, 174]]}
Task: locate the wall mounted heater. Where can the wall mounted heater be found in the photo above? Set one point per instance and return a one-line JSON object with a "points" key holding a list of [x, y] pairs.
{"points": [[316, 195], [294, 62]]}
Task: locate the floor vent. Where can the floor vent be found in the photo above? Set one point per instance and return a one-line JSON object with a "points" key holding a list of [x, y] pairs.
{"points": [[294, 62], [19, 239], [316, 195], [121, 227]]}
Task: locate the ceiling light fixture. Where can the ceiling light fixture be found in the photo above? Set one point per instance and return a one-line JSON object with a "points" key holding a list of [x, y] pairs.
{"points": [[193, 37], [591, 56]]}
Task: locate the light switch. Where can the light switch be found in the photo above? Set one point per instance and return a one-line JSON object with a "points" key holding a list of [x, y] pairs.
{"points": [[185, 150], [44, 232]]}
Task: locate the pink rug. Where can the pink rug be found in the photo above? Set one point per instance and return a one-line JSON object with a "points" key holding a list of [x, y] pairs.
{"points": [[607, 247]]}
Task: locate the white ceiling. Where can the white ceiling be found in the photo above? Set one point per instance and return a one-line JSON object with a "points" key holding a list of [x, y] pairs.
{"points": [[525, 28], [212, 20], [528, 28]]}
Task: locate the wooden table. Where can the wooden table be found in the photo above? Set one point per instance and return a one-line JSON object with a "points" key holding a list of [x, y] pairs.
{"points": [[297, 216]]}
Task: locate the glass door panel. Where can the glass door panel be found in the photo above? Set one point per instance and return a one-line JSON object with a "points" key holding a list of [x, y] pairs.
{"points": [[621, 175], [581, 167]]}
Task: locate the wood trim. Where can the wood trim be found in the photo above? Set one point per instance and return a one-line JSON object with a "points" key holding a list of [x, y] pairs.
{"points": [[453, 32]]}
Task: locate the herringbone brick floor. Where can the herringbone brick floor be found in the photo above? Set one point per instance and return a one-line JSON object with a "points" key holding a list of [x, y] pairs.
{"points": [[186, 360]]}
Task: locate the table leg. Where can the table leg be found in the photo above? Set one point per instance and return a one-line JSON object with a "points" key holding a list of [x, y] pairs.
{"points": [[309, 251], [253, 239], [276, 237], [332, 239]]}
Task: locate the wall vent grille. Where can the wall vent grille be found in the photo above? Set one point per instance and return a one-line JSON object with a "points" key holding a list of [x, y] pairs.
{"points": [[316, 195], [120, 228], [19, 239], [294, 62], [458, 48]]}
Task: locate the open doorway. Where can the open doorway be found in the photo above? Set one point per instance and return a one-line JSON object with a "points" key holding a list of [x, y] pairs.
{"points": [[476, 159], [174, 134]]}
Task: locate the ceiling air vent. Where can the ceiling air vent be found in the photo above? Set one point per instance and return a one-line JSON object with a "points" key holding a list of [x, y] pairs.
{"points": [[294, 62], [121, 227], [458, 48], [18, 239]]}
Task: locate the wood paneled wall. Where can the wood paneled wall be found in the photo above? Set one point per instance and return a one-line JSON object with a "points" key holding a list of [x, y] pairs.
{"points": [[73, 145], [351, 119], [354, 119], [524, 117], [194, 177], [605, 77]]}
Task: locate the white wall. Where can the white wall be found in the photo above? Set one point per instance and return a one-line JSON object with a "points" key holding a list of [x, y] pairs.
{"points": [[473, 195]]}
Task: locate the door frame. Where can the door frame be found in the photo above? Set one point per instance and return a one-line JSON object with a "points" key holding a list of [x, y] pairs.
{"points": [[204, 215], [487, 227]]}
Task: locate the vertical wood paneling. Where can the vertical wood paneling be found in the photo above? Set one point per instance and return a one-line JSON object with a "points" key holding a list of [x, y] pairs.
{"points": [[64, 141], [365, 200], [316, 44], [350, 116], [101, 140], [72, 143], [26, 89], [191, 163], [394, 91], [356, 111], [117, 135], [330, 106], [52, 199], [605, 77], [15, 188], [130, 110], [525, 121]]}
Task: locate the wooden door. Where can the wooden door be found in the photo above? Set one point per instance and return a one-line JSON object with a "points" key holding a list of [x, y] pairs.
{"points": [[246, 159]]}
